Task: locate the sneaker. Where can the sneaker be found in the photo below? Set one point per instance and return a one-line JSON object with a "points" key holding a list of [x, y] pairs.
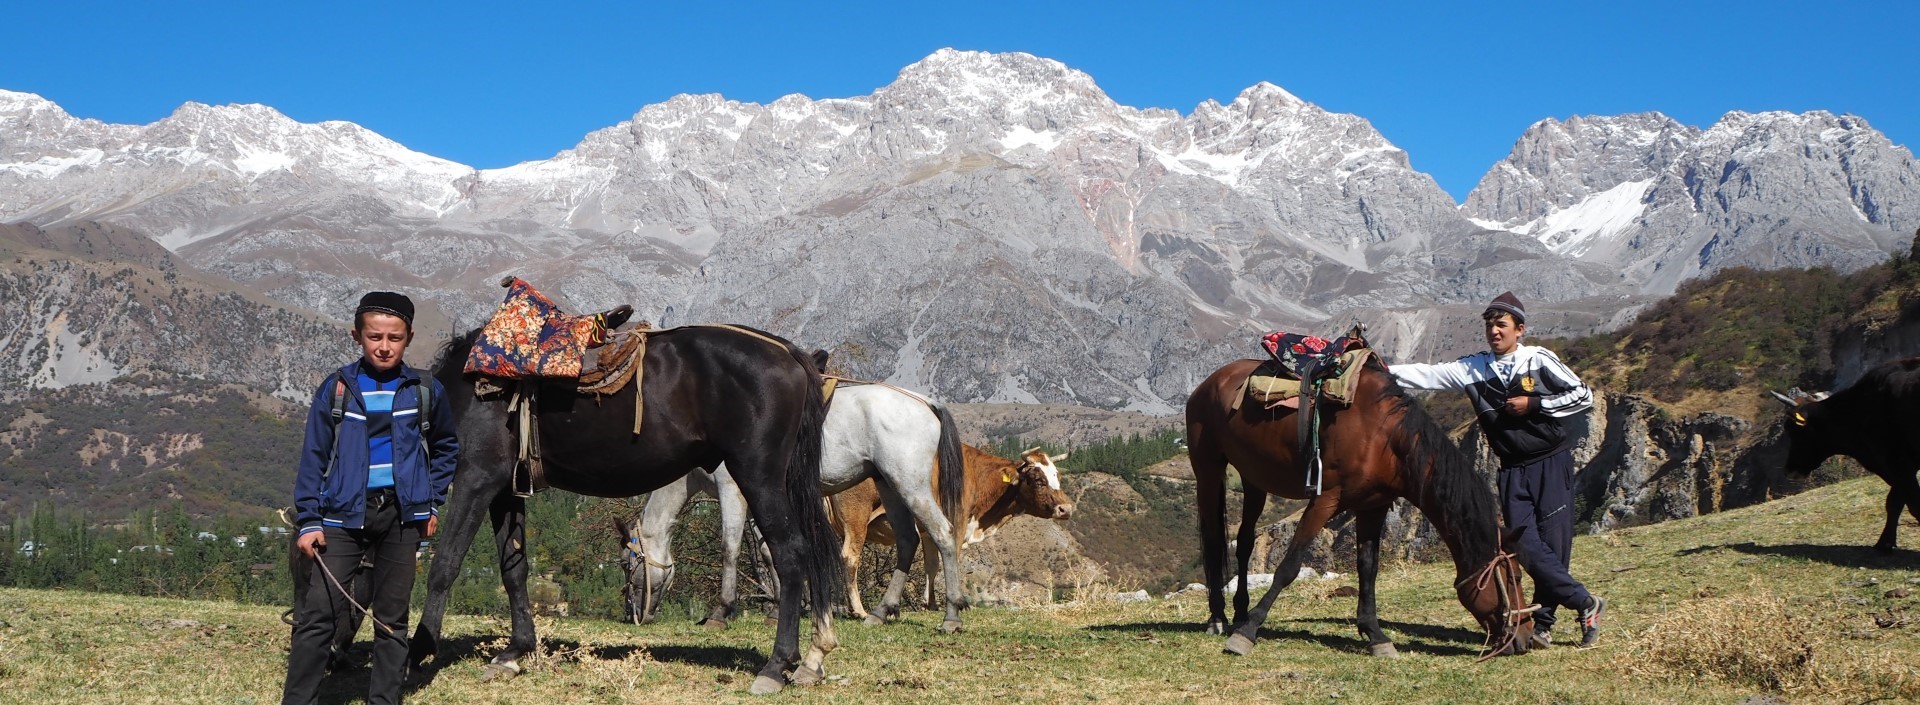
{"points": [[1590, 622], [1542, 638]]}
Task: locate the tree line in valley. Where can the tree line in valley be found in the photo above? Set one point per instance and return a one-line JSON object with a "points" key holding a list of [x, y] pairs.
{"points": [[165, 551]]}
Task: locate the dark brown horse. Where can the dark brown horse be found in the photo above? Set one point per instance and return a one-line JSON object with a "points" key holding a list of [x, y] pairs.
{"points": [[1381, 448], [713, 395]]}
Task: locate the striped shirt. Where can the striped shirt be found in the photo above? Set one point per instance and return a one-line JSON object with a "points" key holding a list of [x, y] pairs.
{"points": [[379, 397]]}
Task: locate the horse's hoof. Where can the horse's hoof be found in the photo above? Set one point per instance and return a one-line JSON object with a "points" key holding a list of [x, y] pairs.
{"points": [[1217, 627], [1884, 547], [1383, 650], [1239, 645], [499, 672], [765, 685], [808, 676], [951, 626], [713, 625], [874, 620]]}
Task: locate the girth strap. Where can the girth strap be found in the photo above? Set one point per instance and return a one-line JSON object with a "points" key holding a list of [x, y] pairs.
{"points": [[528, 472]]}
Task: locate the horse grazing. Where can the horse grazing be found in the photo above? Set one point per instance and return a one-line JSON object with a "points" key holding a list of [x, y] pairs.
{"points": [[713, 395], [875, 431], [1383, 447], [1870, 422], [648, 554]]}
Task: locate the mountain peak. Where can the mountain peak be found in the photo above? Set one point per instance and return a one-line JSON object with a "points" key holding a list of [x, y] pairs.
{"points": [[17, 102], [1266, 93], [1014, 79]]}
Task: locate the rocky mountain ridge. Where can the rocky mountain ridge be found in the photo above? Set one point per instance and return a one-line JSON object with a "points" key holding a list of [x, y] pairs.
{"points": [[1663, 202], [988, 227]]}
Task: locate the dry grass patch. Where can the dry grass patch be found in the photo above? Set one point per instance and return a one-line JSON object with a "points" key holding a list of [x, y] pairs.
{"points": [[1764, 641]]}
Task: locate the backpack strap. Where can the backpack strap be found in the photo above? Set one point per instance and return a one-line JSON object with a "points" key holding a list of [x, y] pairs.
{"points": [[425, 392], [338, 401]]}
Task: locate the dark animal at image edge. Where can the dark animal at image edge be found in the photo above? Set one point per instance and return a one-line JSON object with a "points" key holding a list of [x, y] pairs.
{"points": [[1871, 422]]}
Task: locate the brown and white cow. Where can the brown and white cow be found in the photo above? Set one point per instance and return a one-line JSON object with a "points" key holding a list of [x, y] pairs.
{"points": [[997, 489]]}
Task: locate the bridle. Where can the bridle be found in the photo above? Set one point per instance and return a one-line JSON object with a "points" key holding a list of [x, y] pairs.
{"points": [[634, 548], [1500, 571]]}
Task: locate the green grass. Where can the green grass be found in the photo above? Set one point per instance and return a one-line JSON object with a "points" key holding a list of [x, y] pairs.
{"points": [[1697, 609]]}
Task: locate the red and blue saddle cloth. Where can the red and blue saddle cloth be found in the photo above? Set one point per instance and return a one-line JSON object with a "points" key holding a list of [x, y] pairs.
{"points": [[1292, 351], [529, 336]]}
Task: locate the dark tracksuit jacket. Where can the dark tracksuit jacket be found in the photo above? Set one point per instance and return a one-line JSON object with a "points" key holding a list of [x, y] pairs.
{"points": [[1536, 462]]}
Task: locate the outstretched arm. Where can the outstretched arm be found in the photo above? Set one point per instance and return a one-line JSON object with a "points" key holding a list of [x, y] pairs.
{"points": [[1446, 375]]}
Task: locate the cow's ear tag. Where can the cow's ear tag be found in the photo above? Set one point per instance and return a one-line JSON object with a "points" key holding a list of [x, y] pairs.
{"points": [[1006, 477], [1799, 419]]}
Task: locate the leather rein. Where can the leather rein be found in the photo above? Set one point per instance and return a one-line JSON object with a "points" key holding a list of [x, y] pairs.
{"points": [[646, 581], [1499, 572]]}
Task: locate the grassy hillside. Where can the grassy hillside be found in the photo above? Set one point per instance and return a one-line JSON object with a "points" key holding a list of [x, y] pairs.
{"points": [[144, 441], [1742, 331], [1781, 599]]}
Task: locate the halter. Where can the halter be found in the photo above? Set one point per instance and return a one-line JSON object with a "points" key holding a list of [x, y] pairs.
{"points": [[1497, 571], [646, 581]]}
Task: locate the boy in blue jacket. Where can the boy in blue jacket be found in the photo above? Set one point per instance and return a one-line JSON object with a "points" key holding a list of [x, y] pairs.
{"points": [[368, 486]]}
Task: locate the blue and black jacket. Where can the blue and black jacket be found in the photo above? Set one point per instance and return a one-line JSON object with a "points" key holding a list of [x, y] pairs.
{"points": [[420, 483]]}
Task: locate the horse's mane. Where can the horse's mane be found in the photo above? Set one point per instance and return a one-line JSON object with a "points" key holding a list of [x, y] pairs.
{"points": [[451, 360], [1442, 476]]}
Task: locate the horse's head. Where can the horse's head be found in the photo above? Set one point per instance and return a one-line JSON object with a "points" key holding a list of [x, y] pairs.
{"points": [[1807, 431], [1040, 493], [1498, 601], [648, 576]]}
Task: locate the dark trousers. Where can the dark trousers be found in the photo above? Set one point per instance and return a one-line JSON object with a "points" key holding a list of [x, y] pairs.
{"points": [[390, 544], [1537, 499]]}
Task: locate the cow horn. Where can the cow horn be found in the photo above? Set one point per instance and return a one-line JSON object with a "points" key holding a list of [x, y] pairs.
{"points": [[1784, 399], [1057, 458], [1821, 396], [1029, 451]]}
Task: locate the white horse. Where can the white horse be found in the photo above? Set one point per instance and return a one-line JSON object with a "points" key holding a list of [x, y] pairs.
{"points": [[648, 554], [902, 440]]}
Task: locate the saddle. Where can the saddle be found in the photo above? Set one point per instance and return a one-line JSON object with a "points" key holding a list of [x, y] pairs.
{"points": [[1296, 362], [530, 341], [1300, 372]]}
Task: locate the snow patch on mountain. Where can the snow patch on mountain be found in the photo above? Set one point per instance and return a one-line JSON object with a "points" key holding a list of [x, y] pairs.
{"points": [[49, 167], [1575, 230]]}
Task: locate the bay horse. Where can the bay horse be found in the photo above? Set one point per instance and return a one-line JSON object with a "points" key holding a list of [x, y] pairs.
{"points": [[713, 394], [903, 441], [1382, 447]]}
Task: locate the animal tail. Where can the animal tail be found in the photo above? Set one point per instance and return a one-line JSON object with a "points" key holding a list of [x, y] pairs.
{"points": [[951, 469], [826, 573]]}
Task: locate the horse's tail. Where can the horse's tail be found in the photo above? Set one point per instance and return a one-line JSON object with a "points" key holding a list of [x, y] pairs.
{"points": [[952, 469], [826, 574]]}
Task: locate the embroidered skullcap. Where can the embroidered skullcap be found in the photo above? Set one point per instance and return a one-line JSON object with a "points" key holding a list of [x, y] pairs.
{"points": [[1511, 304], [386, 302]]}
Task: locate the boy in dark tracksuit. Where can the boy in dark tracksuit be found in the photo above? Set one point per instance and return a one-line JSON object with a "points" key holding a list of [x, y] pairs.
{"points": [[1522, 394], [368, 487]]}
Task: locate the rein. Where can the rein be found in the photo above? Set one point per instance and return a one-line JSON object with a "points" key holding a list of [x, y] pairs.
{"points": [[646, 581], [1498, 571], [349, 597]]}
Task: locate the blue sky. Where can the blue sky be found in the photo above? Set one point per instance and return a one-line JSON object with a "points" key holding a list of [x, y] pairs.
{"points": [[490, 84]]}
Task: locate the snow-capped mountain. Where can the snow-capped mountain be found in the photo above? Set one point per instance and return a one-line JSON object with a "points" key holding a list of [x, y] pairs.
{"points": [[990, 227], [1663, 202]]}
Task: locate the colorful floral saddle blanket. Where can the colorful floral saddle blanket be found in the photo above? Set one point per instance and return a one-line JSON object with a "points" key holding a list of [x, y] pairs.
{"points": [[529, 336]]}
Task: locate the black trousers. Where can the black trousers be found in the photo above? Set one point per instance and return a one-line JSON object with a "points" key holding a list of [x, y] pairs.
{"points": [[1537, 499], [391, 545]]}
